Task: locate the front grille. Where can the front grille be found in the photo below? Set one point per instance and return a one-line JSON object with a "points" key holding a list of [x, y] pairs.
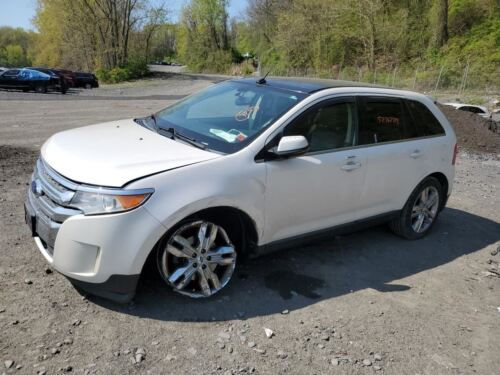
{"points": [[48, 199]]}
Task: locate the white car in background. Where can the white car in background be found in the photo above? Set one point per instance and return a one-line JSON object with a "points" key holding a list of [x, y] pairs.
{"points": [[237, 170], [478, 109]]}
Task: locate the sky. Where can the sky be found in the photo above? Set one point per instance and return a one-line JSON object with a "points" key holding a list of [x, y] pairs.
{"points": [[18, 13]]}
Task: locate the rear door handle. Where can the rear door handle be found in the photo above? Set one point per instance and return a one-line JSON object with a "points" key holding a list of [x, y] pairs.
{"points": [[350, 166], [416, 154]]}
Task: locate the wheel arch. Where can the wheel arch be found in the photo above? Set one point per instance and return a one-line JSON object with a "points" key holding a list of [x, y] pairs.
{"points": [[443, 180], [247, 224]]}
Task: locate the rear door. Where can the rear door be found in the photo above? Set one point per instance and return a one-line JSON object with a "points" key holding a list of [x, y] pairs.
{"points": [[395, 155]]}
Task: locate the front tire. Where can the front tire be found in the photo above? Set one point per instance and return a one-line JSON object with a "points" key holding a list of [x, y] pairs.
{"points": [[197, 258], [420, 211], [41, 89]]}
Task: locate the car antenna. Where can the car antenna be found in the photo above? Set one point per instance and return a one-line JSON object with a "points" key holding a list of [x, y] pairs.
{"points": [[262, 80]]}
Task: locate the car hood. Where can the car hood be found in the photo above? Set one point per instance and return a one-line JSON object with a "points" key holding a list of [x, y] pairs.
{"points": [[114, 153]]}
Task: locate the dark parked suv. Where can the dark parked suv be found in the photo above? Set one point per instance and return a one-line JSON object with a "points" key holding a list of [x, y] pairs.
{"points": [[87, 80]]}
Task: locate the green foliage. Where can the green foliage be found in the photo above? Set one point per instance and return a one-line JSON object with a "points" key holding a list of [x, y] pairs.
{"points": [[14, 46], [132, 70], [14, 55], [203, 40], [464, 14]]}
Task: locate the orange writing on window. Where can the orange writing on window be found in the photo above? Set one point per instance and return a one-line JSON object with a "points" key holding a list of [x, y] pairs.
{"points": [[387, 120]]}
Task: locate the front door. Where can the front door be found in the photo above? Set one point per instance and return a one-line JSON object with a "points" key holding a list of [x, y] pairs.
{"points": [[320, 189]]}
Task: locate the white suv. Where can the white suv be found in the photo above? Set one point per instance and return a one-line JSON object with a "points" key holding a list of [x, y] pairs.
{"points": [[236, 170]]}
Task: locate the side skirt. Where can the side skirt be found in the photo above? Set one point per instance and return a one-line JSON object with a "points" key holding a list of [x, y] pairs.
{"points": [[306, 238]]}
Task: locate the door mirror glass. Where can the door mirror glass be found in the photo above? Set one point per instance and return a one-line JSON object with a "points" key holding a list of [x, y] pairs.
{"points": [[291, 146]]}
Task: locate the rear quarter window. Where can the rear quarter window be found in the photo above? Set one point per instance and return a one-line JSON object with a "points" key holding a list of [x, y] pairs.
{"points": [[425, 122]]}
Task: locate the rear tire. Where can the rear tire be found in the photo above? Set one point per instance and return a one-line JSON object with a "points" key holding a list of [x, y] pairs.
{"points": [[420, 211]]}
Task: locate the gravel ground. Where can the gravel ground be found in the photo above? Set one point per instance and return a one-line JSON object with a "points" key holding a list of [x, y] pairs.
{"points": [[365, 303]]}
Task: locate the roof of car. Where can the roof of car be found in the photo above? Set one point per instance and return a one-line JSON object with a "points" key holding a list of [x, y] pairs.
{"points": [[307, 85]]}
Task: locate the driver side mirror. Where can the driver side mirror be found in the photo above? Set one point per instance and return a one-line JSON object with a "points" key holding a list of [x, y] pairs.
{"points": [[292, 145]]}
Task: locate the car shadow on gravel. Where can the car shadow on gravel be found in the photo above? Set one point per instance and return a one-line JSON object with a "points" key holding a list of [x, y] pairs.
{"points": [[297, 278]]}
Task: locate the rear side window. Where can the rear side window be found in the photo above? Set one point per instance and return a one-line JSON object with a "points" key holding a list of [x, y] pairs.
{"points": [[382, 120], [425, 121]]}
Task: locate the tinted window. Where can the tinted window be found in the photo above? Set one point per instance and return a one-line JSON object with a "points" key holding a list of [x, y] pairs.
{"points": [[424, 120], [11, 73], [382, 120], [327, 126]]}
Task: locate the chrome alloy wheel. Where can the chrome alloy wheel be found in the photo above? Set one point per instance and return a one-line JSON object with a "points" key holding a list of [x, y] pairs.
{"points": [[425, 209], [199, 259]]}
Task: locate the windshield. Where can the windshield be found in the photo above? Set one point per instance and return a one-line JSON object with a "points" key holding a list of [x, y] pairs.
{"points": [[228, 116]]}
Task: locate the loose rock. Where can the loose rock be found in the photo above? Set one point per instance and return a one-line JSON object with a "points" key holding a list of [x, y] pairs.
{"points": [[367, 362], [281, 354], [496, 251], [28, 281], [377, 357], [284, 312], [251, 344], [335, 362], [8, 363], [269, 332]]}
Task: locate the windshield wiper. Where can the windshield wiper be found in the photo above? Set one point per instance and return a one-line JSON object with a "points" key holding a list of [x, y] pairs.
{"points": [[153, 117], [175, 134]]}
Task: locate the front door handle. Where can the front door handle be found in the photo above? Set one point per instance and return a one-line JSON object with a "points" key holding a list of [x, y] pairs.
{"points": [[350, 166], [416, 154]]}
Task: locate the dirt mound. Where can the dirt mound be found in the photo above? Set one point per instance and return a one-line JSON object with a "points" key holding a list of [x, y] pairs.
{"points": [[473, 133]]}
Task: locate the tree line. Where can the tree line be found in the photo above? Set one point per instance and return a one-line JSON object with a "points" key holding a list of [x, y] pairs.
{"points": [[439, 41], [374, 40]]}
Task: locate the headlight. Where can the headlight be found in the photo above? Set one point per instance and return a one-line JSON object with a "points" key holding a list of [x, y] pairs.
{"points": [[108, 202]]}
